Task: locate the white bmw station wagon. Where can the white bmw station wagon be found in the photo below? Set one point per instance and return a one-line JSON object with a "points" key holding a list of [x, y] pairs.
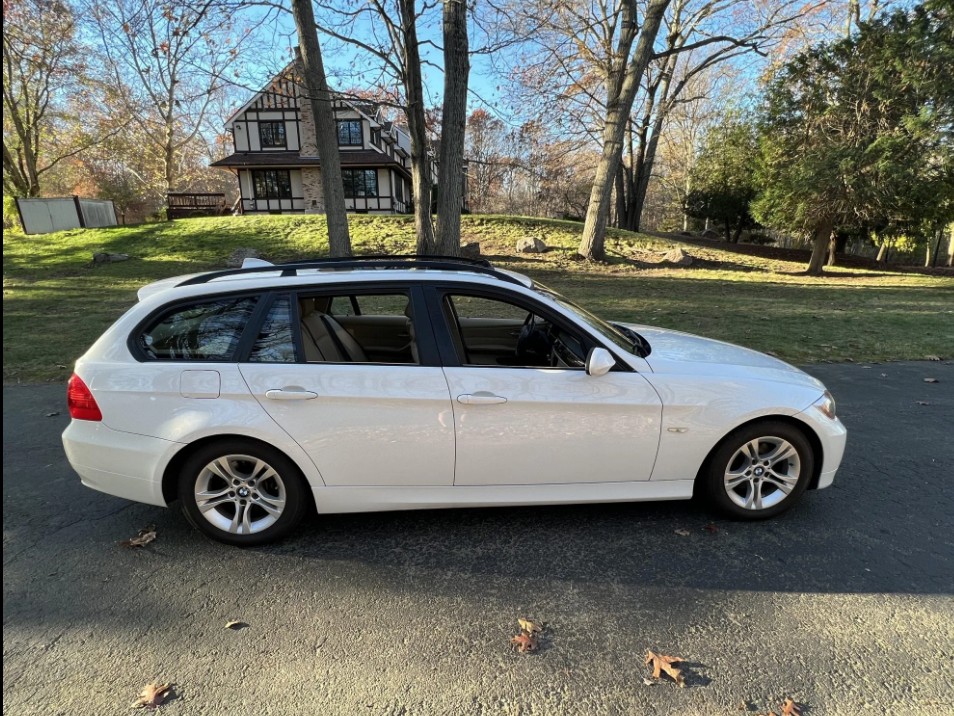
{"points": [[256, 396]]}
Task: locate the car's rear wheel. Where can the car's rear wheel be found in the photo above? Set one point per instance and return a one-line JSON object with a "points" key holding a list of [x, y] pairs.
{"points": [[759, 470], [242, 493]]}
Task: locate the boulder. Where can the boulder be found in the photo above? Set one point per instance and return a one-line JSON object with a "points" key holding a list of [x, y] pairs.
{"points": [[238, 256], [470, 250], [710, 234], [530, 245], [106, 258], [677, 257]]}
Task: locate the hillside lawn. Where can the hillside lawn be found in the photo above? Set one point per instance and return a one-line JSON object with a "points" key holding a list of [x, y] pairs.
{"points": [[55, 302]]}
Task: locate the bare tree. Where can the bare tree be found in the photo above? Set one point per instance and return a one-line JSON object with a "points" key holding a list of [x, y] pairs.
{"points": [[622, 82], [326, 136], [392, 43]]}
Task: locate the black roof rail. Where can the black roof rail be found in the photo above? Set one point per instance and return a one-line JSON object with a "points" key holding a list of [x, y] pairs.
{"points": [[446, 263]]}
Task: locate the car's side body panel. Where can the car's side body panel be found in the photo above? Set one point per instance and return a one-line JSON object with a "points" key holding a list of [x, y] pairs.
{"points": [[367, 424], [557, 426]]}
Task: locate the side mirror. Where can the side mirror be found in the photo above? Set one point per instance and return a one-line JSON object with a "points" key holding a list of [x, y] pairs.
{"points": [[599, 362]]}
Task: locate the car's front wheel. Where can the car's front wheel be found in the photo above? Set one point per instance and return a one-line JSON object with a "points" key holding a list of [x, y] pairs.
{"points": [[242, 493], [759, 470]]}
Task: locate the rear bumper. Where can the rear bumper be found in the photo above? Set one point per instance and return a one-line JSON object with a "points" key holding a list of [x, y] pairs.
{"points": [[123, 464]]}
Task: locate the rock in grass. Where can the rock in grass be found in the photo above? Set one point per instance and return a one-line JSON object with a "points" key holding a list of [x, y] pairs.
{"points": [[101, 257], [531, 245], [677, 257], [470, 250]]}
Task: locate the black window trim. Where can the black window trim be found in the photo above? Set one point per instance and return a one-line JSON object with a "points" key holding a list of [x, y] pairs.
{"points": [[255, 197], [436, 292]]}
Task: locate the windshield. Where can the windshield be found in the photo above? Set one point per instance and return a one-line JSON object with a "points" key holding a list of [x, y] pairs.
{"points": [[625, 338]]}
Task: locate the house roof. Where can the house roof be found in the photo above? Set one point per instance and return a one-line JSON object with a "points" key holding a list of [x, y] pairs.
{"points": [[351, 158]]}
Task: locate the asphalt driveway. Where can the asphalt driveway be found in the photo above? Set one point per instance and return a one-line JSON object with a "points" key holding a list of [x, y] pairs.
{"points": [[845, 604]]}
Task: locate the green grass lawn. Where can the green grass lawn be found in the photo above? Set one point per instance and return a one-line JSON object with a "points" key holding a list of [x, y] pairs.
{"points": [[55, 302]]}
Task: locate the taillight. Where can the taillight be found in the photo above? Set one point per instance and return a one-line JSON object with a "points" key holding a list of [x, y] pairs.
{"points": [[80, 400]]}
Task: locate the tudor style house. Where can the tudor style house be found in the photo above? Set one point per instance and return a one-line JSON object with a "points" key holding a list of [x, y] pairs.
{"points": [[277, 163]]}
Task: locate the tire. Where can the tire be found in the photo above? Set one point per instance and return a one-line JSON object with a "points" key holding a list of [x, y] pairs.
{"points": [[759, 470], [253, 493]]}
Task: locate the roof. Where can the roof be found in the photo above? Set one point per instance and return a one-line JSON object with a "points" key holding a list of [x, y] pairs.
{"points": [[261, 274], [349, 158]]}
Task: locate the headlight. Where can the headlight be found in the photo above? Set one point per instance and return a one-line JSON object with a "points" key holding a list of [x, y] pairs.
{"points": [[826, 404]]}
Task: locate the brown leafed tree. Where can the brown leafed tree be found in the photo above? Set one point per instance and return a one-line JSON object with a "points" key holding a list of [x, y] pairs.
{"points": [[326, 136], [43, 68], [167, 60]]}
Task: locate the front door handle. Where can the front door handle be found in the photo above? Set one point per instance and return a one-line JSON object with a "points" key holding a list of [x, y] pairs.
{"points": [[286, 394], [481, 398]]}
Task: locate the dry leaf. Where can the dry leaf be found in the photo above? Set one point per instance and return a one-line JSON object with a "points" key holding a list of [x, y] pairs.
{"points": [[933, 358], [235, 625], [661, 663], [712, 527], [145, 536], [931, 380], [524, 642], [790, 708], [682, 532], [53, 414], [529, 626], [922, 402], [152, 696]]}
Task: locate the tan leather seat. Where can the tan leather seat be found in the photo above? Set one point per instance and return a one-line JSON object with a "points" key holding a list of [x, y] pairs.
{"points": [[326, 340]]}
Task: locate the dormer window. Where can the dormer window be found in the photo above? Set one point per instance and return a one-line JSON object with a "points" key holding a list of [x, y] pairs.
{"points": [[349, 133], [272, 134]]}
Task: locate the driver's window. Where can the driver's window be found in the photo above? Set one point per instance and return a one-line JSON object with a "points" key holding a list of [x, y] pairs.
{"points": [[492, 332]]}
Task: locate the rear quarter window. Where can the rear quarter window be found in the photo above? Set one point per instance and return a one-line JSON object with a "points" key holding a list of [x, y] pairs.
{"points": [[202, 331]]}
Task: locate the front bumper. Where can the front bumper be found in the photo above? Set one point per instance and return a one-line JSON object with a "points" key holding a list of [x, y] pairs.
{"points": [[833, 436], [123, 464]]}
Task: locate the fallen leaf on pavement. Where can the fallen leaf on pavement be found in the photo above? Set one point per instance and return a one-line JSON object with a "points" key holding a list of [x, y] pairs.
{"points": [[152, 696], [682, 532], [53, 414], [922, 402], [790, 708], [933, 357], [661, 663], [712, 527], [648, 682], [931, 380], [235, 625], [524, 642], [529, 626], [145, 536]]}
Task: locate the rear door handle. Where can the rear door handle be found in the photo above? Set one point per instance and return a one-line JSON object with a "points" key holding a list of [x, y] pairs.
{"points": [[481, 398], [285, 394]]}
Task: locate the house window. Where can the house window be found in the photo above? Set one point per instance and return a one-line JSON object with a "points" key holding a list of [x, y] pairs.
{"points": [[360, 182], [272, 184], [349, 133], [398, 187], [272, 134], [376, 137]]}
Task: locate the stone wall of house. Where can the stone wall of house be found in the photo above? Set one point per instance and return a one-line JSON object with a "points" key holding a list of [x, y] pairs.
{"points": [[308, 138], [311, 186]]}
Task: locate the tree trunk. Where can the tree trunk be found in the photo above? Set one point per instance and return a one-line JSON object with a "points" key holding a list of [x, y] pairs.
{"points": [[450, 171], [326, 135], [618, 109], [832, 249], [939, 239], [421, 179], [950, 247], [882, 253], [816, 265], [737, 234]]}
